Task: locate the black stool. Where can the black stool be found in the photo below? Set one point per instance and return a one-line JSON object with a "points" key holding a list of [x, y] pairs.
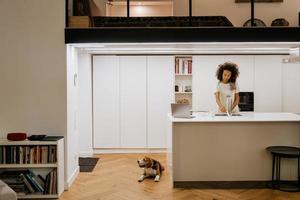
{"points": [[279, 152]]}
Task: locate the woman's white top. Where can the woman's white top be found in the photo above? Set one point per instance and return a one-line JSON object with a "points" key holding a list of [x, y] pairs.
{"points": [[226, 92]]}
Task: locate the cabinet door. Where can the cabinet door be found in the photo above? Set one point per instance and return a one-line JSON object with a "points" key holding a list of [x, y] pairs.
{"points": [[160, 84], [246, 68], [290, 87], [205, 81], [133, 101], [106, 101], [267, 84]]}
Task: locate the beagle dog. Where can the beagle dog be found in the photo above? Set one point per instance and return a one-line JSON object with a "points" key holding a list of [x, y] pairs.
{"points": [[152, 168]]}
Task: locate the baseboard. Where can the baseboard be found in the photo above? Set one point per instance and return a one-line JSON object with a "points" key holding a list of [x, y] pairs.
{"points": [[129, 150], [72, 178], [85, 154], [222, 184]]}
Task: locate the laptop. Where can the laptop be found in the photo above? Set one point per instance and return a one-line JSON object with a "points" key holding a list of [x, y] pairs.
{"points": [[181, 110]]}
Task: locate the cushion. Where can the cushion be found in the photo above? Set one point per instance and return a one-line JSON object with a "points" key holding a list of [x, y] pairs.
{"points": [[6, 192]]}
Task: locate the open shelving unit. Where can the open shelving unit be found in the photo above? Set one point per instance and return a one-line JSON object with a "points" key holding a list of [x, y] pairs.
{"points": [[44, 159], [183, 79]]}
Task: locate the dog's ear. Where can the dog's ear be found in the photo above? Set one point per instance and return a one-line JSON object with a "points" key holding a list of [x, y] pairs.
{"points": [[149, 162]]}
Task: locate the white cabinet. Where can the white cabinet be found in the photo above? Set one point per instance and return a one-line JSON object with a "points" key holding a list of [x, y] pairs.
{"points": [[246, 68], [106, 101], [268, 83], [160, 87], [132, 96], [291, 87], [133, 101], [204, 81]]}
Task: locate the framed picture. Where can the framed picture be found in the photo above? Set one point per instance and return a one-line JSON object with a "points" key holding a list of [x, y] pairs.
{"points": [[258, 1]]}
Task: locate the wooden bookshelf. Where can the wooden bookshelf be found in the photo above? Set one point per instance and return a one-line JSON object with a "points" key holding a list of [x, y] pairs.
{"points": [[53, 168]]}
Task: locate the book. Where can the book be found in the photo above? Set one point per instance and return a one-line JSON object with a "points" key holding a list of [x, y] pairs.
{"points": [[28, 185], [32, 183]]}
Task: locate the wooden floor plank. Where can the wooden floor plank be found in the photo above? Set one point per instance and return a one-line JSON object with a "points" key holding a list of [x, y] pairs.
{"points": [[115, 178]]}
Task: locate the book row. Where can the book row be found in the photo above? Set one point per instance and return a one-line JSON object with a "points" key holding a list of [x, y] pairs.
{"points": [[183, 66], [27, 182], [28, 154]]}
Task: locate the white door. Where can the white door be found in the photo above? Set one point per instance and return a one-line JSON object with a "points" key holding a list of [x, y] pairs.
{"points": [[205, 82], [268, 83], [133, 101], [291, 87], [106, 101], [246, 68], [160, 84]]}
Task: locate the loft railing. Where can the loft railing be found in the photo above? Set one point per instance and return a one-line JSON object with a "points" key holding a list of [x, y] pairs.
{"points": [[81, 10]]}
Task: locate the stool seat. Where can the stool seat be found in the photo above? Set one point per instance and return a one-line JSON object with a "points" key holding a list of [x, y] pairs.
{"points": [[279, 152], [285, 151]]}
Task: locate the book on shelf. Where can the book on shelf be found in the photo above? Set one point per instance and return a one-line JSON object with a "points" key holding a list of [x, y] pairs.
{"points": [[28, 154], [183, 66], [27, 182]]}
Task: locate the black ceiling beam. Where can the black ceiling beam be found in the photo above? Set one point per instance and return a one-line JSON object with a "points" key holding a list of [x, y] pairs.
{"points": [[188, 34]]}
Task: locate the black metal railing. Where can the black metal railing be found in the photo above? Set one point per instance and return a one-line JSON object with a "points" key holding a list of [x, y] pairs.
{"points": [[83, 8]]}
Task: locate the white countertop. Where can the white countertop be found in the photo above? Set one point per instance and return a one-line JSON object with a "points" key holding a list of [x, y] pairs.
{"points": [[245, 117]]}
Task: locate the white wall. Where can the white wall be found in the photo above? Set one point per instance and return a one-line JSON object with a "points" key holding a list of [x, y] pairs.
{"points": [[85, 112], [32, 67], [138, 11], [238, 13], [72, 114]]}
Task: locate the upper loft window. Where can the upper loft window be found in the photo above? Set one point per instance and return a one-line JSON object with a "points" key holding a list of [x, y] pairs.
{"points": [[183, 13]]}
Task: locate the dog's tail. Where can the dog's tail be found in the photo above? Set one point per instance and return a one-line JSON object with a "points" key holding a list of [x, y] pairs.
{"points": [[162, 168]]}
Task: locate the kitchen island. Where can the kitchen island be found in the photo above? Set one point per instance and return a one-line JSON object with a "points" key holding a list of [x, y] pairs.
{"points": [[211, 151]]}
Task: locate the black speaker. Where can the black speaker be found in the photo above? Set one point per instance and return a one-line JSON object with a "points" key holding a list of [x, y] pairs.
{"points": [[299, 19]]}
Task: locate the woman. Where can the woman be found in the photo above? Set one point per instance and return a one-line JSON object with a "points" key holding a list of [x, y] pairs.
{"points": [[227, 87]]}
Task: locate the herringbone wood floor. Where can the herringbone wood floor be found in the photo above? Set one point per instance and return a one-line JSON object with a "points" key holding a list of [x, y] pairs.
{"points": [[115, 178]]}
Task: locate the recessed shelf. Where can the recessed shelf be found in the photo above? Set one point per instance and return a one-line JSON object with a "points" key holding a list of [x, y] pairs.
{"points": [[183, 74]]}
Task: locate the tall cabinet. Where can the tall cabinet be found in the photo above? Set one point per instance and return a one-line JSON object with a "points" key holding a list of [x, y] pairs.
{"points": [[106, 101], [132, 102], [204, 81], [290, 87], [159, 96], [268, 83], [131, 99]]}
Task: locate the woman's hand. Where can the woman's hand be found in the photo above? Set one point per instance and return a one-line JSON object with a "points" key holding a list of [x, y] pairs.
{"points": [[222, 109]]}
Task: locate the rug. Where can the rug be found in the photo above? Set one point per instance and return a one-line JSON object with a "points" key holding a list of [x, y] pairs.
{"points": [[87, 164]]}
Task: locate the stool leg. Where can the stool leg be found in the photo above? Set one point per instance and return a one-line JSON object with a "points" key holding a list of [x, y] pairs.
{"points": [[279, 169], [276, 172], [298, 173], [273, 167]]}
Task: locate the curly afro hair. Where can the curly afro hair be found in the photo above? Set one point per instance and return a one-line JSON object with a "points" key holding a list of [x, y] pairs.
{"points": [[232, 67]]}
